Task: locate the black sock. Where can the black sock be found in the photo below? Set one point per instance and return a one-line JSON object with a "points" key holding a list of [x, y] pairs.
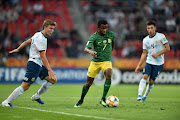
{"points": [[106, 88], [84, 92]]}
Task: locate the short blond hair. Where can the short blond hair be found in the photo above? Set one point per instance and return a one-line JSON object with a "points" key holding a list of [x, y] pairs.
{"points": [[48, 22]]}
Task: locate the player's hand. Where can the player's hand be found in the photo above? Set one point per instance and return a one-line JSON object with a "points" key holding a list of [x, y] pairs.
{"points": [[155, 55], [14, 51], [93, 53], [137, 70], [52, 75]]}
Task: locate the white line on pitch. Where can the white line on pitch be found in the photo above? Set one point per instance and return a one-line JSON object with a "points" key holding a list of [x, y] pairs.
{"points": [[79, 115]]}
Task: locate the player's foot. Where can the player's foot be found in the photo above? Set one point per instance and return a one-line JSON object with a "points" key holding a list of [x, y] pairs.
{"points": [[103, 102], [5, 104], [78, 104], [139, 98], [34, 98], [143, 99]]}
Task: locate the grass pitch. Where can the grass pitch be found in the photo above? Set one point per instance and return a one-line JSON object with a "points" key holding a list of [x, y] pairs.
{"points": [[163, 103]]}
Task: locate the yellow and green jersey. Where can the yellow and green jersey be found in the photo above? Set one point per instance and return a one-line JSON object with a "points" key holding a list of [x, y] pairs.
{"points": [[102, 46]]}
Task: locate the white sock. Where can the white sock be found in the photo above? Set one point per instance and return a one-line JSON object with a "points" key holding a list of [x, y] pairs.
{"points": [[148, 90], [43, 89], [142, 85], [15, 94]]}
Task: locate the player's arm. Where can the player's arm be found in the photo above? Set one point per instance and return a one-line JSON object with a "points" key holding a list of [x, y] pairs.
{"points": [[113, 44], [88, 50], [25, 43], [143, 58], [165, 50], [46, 64], [89, 46]]}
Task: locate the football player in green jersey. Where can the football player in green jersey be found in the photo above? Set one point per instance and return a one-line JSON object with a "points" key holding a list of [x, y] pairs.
{"points": [[102, 43]]}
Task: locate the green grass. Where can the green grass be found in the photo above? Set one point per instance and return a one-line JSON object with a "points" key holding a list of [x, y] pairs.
{"points": [[163, 103]]}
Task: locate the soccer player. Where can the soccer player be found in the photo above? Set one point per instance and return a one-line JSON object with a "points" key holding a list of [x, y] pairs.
{"points": [[102, 42], [155, 45], [37, 65]]}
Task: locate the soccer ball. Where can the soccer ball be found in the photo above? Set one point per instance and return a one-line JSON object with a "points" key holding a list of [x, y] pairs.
{"points": [[112, 101]]}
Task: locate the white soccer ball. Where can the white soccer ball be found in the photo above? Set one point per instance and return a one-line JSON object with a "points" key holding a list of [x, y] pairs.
{"points": [[112, 101]]}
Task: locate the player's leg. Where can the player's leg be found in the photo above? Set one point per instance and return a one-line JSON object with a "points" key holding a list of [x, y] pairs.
{"points": [[47, 85], [15, 94], [142, 84], [91, 74], [107, 85], [85, 90], [107, 70], [156, 71], [148, 89], [30, 77]]}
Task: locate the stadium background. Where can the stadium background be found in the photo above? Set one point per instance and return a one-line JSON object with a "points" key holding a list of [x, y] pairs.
{"points": [[76, 20]]}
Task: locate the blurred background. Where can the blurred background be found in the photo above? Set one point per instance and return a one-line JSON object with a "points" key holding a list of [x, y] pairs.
{"points": [[76, 21]]}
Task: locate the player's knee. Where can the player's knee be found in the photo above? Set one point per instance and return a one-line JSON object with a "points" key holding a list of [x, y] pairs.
{"points": [[145, 76], [25, 88], [108, 76], [54, 81]]}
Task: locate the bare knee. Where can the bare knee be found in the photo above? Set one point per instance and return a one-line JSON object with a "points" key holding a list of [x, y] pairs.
{"points": [[108, 73], [108, 76], [25, 85], [53, 81], [145, 76], [89, 82]]}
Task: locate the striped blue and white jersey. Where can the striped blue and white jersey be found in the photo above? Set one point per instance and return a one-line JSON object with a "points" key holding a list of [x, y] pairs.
{"points": [[154, 45], [38, 43]]}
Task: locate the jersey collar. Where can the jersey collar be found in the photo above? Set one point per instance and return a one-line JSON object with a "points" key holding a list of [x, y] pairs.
{"points": [[153, 36], [43, 34], [101, 36]]}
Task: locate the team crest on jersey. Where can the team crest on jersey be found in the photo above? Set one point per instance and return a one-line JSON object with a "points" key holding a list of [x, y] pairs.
{"points": [[33, 79], [104, 41], [109, 40], [156, 41]]}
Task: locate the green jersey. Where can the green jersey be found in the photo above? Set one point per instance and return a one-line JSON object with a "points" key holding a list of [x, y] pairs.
{"points": [[102, 46]]}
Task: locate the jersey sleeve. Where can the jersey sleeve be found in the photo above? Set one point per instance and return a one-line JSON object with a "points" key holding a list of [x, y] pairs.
{"points": [[144, 45], [40, 44], [91, 41], [113, 35], [163, 39]]}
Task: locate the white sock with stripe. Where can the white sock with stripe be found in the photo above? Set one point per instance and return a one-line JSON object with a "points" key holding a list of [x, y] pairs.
{"points": [[142, 85], [43, 89], [148, 90], [15, 94]]}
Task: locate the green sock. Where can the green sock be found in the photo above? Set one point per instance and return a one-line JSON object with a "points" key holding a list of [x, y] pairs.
{"points": [[84, 92], [106, 88]]}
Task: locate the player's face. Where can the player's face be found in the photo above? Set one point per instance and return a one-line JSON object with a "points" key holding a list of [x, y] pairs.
{"points": [[151, 30], [49, 30], [103, 29]]}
